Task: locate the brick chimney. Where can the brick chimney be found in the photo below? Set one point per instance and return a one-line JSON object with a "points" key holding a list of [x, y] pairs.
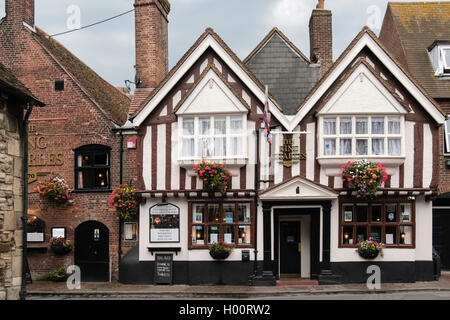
{"points": [[321, 37], [151, 25], [19, 11]]}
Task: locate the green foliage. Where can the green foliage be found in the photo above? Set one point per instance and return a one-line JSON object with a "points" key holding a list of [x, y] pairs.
{"points": [[123, 199]]}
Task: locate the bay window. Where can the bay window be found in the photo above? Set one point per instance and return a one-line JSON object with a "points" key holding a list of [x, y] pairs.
{"points": [[361, 136], [213, 137]]}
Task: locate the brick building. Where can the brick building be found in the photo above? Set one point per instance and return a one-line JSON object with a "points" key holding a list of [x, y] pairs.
{"points": [[16, 105], [76, 138], [418, 35]]}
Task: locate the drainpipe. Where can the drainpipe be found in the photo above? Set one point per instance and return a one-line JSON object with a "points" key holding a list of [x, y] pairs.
{"points": [[255, 264], [29, 109], [120, 181]]}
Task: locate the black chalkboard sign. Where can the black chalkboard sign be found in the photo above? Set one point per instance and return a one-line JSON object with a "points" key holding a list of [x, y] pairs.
{"points": [[163, 268]]}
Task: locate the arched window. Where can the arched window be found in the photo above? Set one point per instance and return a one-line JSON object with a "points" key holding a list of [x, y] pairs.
{"points": [[92, 167]]}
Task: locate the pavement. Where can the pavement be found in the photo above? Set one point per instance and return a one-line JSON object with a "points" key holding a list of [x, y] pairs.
{"points": [[41, 289]]}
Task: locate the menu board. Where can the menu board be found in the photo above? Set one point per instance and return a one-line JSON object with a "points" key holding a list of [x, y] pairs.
{"points": [[163, 268], [164, 223]]}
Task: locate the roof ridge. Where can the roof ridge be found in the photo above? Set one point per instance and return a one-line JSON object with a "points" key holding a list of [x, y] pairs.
{"points": [[267, 38]]}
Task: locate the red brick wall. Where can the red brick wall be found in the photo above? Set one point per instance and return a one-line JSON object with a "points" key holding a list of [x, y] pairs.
{"points": [[151, 42], [18, 11], [68, 121], [321, 38]]}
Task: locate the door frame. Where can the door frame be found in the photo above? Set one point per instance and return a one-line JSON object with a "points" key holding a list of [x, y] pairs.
{"points": [[305, 239]]}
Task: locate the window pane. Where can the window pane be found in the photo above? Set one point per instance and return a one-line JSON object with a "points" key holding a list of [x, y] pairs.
{"points": [[345, 126], [391, 212], [244, 235], [394, 147], [378, 125], [219, 147], [198, 213], [198, 235], [376, 213], [361, 146], [406, 234], [236, 125], [447, 58], [406, 213], [347, 235], [361, 125], [84, 160], [213, 213], [243, 212], [101, 159], [377, 146], [101, 178], [188, 127], [361, 234], [236, 146], [188, 147], [220, 126], [213, 234], [228, 234], [329, 147], [204, 124], [394, 125], [329, 126], [391, 235], [346, 147], [361, 213], [347, 213], [375, 233], [205, 147], [228, 210]]}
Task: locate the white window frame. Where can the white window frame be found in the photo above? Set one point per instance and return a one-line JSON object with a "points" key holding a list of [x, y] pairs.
{"points": [[446, 137], [442, 51], [369, 136], [197, 156]]}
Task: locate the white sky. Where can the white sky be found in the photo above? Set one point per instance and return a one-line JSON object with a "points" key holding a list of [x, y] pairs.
{"points": [[109, 48]]}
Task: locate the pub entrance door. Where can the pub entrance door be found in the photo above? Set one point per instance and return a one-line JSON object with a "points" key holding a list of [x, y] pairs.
{"points": [[92, 251], [290, 249]]}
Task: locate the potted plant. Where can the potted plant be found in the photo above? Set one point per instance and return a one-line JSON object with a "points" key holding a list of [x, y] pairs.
{"points": [[215, 177], [56, 190], [123, 199], [220, 250], [363, 176], [369, 249], [60, 246]]}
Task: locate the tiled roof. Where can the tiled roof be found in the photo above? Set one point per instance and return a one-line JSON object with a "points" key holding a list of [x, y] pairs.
{"points": [[11, 84], [208, 31], [284, 68], [112, 102], [418, 25]]}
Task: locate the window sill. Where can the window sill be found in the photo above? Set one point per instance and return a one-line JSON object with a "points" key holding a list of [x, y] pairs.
{"points": [[92, 191], [231, 163], [332, 165]]}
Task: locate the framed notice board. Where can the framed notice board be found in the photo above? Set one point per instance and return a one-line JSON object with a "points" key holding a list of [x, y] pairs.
{"points": [[163, 268]]}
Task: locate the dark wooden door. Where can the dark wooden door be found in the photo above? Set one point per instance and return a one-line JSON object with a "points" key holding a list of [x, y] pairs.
{"points": [[92, 251], [289, 247], [441, 235]]}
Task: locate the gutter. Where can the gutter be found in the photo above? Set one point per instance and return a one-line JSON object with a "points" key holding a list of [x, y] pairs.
{"points": [[25, 199]]}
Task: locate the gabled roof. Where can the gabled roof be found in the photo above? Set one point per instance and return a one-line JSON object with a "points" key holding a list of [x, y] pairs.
{"points": [[199, 80], [209, 39], [367, 39], [418, 25], [113, 103], [278, 63], [12, 85]]}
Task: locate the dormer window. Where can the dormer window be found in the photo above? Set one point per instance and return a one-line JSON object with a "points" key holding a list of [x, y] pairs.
{"points": [[440, 57]]}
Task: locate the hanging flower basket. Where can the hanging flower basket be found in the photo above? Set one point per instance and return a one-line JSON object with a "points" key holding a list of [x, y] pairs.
{"points": [[363, 176], [214, 176], [123, 199], [60, 245], [370, 249], [56, 190], [220, 250]]}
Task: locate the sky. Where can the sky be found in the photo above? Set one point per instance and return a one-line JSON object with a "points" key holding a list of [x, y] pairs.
{"points": [[109, 49]]}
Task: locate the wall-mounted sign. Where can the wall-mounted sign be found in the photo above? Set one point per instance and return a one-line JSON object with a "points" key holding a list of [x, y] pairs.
{"points": [[38, 157], [289, 153], [163, 268], [35, 229], [131, 143], [164, 223], [33, 176], [58, 232]]}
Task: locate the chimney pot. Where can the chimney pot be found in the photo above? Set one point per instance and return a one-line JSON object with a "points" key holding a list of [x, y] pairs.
{"points": [[321, 4]]}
